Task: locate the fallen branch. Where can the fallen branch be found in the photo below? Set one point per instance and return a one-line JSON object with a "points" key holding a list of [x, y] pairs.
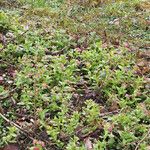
{"points": [[16, 125], [23, 131]]}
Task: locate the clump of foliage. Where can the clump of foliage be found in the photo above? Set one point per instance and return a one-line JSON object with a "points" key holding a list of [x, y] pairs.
{"points": [[75, 79], [4, 22]]}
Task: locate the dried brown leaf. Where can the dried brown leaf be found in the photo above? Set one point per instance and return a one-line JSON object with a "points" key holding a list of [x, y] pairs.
{"points": [[11, 147]]}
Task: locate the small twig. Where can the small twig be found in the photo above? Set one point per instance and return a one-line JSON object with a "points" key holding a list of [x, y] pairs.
{"points": [[55, 53], [16, 125], [146, 135], [110, 113], [83, 136]]}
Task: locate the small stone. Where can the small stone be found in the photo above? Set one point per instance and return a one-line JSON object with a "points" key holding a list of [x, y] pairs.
{"points": [[9, 81]]}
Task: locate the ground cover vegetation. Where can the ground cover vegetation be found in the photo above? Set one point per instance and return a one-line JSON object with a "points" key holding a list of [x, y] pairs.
{"points": [[74, 75]]}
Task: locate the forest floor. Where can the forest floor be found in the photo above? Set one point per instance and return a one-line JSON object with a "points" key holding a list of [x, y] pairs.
{"points": [[75, 76]]}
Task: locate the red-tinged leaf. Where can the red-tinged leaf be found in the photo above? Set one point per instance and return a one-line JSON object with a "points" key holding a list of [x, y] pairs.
{"points": [[104, 45], [88, 144], [36, 148], [141, 64], [38, 143], [111, 127], [12, 72], [35, 141], [126, 44], [1, 79], [78, 49]]}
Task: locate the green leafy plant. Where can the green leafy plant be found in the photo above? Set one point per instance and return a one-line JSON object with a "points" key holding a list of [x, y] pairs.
{"points": [[4, 22], [9, 135], [78, 76]]}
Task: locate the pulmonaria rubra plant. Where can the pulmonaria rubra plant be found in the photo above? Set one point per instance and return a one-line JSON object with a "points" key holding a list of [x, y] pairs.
{"points": [[74, 76]]}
